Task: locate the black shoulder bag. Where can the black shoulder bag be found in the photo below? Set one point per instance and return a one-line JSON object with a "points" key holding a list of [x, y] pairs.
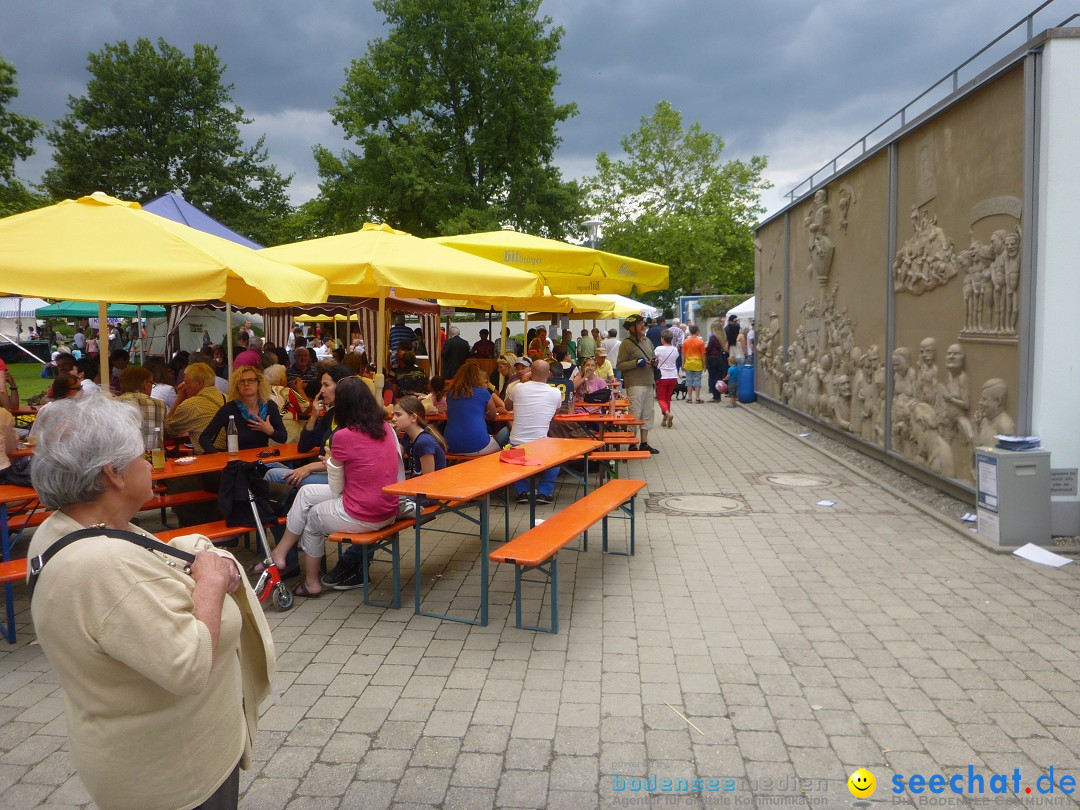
{"points": [[36, 564]]}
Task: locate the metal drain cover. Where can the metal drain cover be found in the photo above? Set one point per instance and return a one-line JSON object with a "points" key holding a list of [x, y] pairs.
{"points": [[790, 479], [696, 503]]}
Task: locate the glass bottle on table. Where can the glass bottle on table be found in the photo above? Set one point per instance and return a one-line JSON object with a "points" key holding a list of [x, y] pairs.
{"points": [[157, 451], [232, 438]]}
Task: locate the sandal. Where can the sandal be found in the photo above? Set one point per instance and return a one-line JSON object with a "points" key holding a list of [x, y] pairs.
{"points": [[301, 590]]}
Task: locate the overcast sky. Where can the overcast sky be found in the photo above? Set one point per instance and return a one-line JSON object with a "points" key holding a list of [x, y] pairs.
{"points": [[794, 80]]}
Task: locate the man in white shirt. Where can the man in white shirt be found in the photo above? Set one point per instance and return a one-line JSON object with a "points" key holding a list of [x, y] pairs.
{"points": [[534, 404], [611, 343]]}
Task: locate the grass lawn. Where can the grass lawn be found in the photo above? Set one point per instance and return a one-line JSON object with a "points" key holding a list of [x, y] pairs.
{"points": [[28, 378]]}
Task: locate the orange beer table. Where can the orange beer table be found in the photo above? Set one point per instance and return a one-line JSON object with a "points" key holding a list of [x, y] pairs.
{"points": [[475, 480], [215, 462]]}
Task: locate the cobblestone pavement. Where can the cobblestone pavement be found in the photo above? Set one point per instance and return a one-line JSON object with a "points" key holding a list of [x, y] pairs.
{"points": [[781, 646]]}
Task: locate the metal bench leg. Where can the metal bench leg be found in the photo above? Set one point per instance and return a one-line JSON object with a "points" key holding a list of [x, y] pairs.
{"points": [[393, 546], [551, 573], [6, 543]]}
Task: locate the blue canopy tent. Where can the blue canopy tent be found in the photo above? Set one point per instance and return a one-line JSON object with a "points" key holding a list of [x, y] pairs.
{"points": [[174, 207]]}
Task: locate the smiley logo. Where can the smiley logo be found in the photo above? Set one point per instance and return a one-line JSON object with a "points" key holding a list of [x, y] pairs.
{"points": [[862, 784]]}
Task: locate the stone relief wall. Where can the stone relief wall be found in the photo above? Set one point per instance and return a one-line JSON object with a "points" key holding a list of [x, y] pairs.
{"points": [[955, 277]]}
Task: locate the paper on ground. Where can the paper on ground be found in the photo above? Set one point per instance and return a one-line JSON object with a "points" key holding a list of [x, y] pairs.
{"points": [[1041, 555], [826, 503]]}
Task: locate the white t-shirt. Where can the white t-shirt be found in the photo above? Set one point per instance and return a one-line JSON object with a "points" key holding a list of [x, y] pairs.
{"points": [[612, 346], [535, 404], [665, 361]]}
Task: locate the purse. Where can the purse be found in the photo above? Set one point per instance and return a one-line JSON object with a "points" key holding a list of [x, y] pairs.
{"points": [[598, 397]]}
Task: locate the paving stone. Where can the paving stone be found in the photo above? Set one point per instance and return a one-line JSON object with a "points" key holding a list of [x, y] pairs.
{"points": [[478, 770], [423, 786], [522, 789]]}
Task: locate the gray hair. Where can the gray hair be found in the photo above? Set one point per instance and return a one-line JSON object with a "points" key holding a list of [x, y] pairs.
{"points": [[275, 374], [79, 438], [455, 330]]}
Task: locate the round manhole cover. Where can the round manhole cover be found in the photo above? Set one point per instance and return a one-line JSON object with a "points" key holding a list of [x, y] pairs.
{"points": [[797, 480], [701, 504]]}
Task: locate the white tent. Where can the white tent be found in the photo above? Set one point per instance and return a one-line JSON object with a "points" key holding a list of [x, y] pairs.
{"points": [[13, 309], [745, 311]]}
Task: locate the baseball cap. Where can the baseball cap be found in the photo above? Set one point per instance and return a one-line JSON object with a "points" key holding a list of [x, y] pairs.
{"points": [[632, 320], [600, 351], [523, 361]]}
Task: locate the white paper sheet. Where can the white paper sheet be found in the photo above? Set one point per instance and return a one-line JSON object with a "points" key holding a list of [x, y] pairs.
{"points": [[1041, 555], [826, 503]]}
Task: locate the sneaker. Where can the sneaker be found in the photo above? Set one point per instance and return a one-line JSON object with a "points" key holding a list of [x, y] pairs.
{"points": [[523, 497], [650, 448], [340, 573], [542, 498], [354, 580]]}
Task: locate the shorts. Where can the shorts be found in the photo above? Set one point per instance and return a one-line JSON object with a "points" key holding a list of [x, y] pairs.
{"points": [[642, 400], [693, 379]]}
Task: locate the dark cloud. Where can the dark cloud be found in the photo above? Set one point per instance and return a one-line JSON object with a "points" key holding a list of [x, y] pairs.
{"points": [[795, 80]]}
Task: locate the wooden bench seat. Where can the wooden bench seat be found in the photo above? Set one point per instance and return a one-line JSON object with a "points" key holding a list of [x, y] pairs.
{"points": [[619, 438], [13, 571], [541, 544], [214, 530], [385, 539]]}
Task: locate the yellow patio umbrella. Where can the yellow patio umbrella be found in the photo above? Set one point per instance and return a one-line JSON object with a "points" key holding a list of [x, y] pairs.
{"points": [[546, 303], [99, 248], [371, 261], [565, 268]]}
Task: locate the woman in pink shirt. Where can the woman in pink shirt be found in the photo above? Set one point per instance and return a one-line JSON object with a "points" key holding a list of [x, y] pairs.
{"points": [[364, 458]]}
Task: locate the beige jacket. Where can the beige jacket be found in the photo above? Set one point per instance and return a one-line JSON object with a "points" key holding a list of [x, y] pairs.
{"points": [[152, 720]]}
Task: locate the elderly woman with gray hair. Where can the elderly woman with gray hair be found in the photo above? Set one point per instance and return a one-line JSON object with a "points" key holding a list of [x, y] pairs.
{"points": [[163, 664]]}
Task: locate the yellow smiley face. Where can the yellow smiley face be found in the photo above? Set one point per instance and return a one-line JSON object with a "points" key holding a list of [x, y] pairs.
{"points": [[862, 784]]}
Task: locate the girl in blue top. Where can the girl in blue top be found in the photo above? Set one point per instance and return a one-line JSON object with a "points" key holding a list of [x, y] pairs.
{"points": [[424, 448]]}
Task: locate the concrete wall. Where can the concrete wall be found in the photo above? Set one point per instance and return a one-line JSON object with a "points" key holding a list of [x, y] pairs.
{"points": [[892, 253]]}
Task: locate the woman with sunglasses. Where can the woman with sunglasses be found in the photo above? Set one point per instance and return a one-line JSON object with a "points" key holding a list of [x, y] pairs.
{"points": [[257, 422]]}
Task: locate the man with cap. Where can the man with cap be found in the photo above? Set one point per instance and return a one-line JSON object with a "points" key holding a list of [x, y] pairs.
{"points": [[636, 361], [522, 373], [603, 365], [454, 353]]}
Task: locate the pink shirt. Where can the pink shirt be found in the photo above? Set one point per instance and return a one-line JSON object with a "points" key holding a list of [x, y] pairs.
{"points": [[370, 464]]}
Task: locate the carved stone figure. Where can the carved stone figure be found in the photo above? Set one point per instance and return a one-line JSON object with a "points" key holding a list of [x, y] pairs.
{"points": [[841, 402], [997, 280], [858, 375], [872, 395], [931, 449], [845, 198], [926, 389], [1012, 279], [990, 416], [904, 387], [926, 260], [957, 395], [821, 246]]}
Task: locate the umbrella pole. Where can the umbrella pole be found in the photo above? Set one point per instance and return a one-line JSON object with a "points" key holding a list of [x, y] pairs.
{"points": [[525, 330], [504, 333], [103, 356], [380, 327], [142, 348], [228, 334]]}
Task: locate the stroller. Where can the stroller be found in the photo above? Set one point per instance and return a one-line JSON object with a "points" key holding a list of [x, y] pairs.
{"points": [[244, 500]]}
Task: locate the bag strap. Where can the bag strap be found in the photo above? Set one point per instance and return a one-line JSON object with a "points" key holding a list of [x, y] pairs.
{"points": [[36, 564]]}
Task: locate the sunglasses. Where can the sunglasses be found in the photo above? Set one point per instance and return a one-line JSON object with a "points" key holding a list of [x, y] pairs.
{"points": [[248, 381]]}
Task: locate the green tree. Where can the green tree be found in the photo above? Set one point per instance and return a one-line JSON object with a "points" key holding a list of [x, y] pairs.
{"points": [[17, 133], [155, 120], [455, 118], [673, 200]]}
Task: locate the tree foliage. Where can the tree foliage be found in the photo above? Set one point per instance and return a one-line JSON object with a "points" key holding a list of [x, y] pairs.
{"points": [[455, 118], [17, 133], [157, 120], [673, 200]]}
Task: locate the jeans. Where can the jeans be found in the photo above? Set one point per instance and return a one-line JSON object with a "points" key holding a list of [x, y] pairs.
{"points": [[545, 486]]}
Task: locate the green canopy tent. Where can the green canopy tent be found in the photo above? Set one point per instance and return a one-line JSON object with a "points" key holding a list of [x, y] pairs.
{"points": [[89, 309]]}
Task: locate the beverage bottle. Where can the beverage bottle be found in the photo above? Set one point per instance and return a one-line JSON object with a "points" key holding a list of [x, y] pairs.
{"points": [[232, 438], [157, 451]]}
